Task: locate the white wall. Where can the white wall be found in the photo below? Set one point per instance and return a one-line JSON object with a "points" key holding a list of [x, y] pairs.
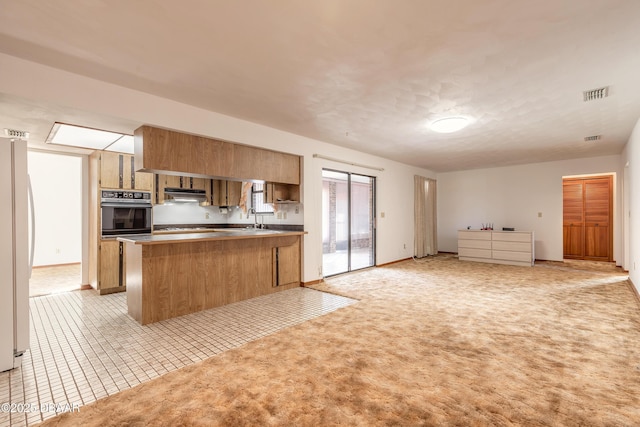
{"points": [[631, 156], [395, 183], [57, 192], [513, 196]]}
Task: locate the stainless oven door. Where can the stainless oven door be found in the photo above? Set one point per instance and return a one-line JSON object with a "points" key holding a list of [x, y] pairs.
{"points": [[125, 218]]}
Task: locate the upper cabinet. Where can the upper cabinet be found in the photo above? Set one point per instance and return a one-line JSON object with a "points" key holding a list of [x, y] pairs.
{"points": [[160, 150], [226, 193], [281, 193], [180, 182], [117, 170]]}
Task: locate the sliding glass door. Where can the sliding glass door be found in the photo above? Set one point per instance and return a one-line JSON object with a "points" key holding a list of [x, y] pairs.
{"points": [[348, 222]]}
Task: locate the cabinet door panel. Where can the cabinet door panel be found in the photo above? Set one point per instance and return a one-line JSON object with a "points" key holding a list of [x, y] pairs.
{"points": [[144, 181], [111, 170], [286, 264], [234, 190], [109, 264]]}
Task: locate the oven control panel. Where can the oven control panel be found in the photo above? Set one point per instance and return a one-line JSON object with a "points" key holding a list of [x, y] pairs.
{"points": [[141, 196]]}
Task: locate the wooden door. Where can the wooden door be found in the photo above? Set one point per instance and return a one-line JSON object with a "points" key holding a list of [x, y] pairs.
{"points": [[573, 218], [597, 219], [588, 218]]}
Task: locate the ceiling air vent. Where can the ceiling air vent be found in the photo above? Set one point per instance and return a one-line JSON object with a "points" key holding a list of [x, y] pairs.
{"points": [[593, 94], [12, 133], [593, 138]]}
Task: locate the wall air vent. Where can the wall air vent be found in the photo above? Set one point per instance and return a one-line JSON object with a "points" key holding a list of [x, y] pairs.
{"points": [[12, 133], [593, 138], [593, 94]]}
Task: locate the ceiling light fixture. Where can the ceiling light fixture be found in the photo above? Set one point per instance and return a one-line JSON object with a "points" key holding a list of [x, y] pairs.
{"points": [[92, 139], [449, 124]]}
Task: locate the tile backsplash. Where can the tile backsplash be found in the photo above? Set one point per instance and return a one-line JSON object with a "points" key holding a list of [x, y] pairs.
{"points": [[192, 213]]}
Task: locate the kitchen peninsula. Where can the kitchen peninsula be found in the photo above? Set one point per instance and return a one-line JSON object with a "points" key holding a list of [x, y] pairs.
{"points": [[171, 275]]}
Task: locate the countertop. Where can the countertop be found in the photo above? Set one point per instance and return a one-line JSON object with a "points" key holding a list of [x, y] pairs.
{"points": [[214, 234]]}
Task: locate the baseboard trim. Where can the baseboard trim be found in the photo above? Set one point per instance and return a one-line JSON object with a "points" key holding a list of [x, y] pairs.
{"points": [[392, 262], [55, 265], [311, 283]]}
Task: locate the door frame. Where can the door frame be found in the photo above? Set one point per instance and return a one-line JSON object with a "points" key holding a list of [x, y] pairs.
{"points": [[373, 219]]}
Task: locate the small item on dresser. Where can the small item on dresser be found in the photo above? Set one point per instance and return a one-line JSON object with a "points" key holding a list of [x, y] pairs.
{"points": [[508, 229]]}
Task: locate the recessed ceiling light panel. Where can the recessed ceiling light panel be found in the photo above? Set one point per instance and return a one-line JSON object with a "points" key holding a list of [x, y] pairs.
{"points": [[449, 124], [92, 139]]}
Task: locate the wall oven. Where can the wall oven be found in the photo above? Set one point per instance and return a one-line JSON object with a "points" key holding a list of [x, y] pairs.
{"points": [[125, 212]]}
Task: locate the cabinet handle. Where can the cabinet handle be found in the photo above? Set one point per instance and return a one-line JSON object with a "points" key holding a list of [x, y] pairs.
{"points": [[596, 225]]}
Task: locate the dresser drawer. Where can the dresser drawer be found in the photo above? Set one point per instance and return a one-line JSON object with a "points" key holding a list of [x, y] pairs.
{"points": [[511, 236], [474, 253], [476, 244], [512, 246], [474, 235], [512, 256]]}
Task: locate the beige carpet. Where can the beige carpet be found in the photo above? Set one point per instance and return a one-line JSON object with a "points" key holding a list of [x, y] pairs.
{"points": [[437, 342]]}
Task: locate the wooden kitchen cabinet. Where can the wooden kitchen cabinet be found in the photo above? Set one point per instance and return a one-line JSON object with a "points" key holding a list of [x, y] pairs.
{"points": [[226, 193], [161, 150], [117, 171], [286, 264], [180, 181], [282, 193], [111, 267]]}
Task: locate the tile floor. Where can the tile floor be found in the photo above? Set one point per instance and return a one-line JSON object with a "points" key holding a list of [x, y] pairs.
{"points": [[85, 347]]}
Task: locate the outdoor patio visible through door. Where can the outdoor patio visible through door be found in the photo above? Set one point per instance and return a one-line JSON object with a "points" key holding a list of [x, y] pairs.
{"points": [[348, 222]]}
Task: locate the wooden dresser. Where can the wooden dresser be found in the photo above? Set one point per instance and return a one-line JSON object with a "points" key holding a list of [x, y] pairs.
{"points": [[498, 247]]}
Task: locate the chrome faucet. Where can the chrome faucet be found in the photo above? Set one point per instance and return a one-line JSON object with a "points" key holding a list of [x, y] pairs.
{"points": [[255, 218]]}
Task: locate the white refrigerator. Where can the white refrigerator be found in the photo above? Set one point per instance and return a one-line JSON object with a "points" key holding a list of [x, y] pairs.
{"points": [[15, 264]]}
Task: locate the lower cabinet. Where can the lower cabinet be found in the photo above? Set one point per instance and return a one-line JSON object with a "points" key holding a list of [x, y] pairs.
{"points": [[286, 264], [174, 278], [111, 277]]}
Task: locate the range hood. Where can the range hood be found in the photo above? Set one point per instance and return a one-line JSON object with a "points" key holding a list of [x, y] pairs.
{"points": [[184, 195]]}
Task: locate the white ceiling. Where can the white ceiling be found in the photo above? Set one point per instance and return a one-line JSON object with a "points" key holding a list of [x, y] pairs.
{"points": [[364, 74]]}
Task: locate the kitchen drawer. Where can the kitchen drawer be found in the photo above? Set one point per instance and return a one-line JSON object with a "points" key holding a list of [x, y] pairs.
{"points": [[474, 235], [511, 236], [474, 253], [512, 246], [512, 256], [476, 244]]}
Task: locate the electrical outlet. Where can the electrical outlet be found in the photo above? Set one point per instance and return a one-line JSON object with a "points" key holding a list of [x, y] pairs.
{"points": [[539, 214], [297, 209], [320, 271], [381, 214], [57, 250], [206, 215], [404, 246], [279, 215], [284, 215]]}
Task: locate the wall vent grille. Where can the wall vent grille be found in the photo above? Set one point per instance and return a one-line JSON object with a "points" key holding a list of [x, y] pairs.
{"points": [[13, 133], [593, 138], [593, 94]]}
